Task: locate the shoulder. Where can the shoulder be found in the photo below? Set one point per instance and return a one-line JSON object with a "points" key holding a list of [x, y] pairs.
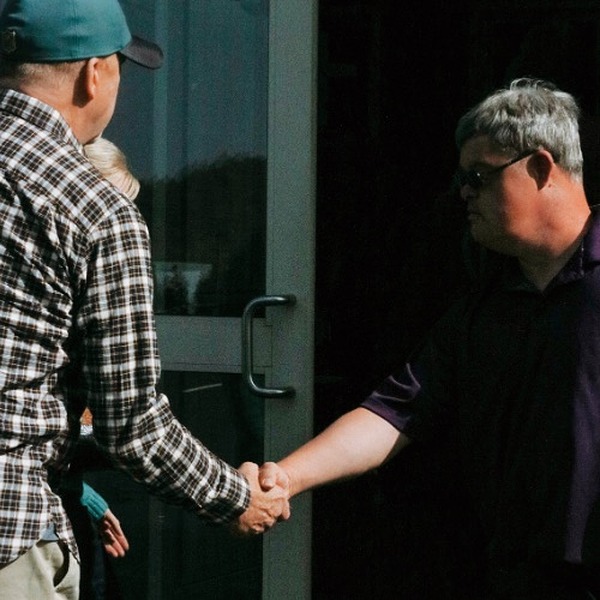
{"points": [[57, 182], [42, 164]]}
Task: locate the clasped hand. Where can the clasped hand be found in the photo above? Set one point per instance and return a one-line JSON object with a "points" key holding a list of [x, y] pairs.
{"points": [[269, 500]]}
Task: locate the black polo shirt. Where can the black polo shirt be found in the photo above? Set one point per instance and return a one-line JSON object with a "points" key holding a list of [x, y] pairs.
{"points": [[516, 373]]}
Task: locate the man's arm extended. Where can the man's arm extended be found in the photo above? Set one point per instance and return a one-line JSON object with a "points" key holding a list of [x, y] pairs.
{"points": [[357, 442]]}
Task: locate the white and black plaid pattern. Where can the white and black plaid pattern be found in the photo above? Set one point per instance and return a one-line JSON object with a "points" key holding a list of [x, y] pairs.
{"points": [[76, 329]]}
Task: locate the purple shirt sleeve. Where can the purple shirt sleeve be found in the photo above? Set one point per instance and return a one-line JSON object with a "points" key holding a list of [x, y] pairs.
{"points": [[416, 399], [392, 400]]}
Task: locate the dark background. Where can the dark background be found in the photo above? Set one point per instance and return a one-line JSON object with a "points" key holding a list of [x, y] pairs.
{"points": [[394, 77]]}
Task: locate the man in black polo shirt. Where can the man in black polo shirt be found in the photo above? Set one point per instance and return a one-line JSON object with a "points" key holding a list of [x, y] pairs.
{"points": [[514, 366]]}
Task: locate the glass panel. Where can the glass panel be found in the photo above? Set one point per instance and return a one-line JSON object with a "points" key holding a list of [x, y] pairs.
{"points": [[195, 134], [174, 555]]}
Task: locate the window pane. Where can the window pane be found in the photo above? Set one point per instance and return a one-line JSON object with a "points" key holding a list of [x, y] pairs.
{"points": [[195, 134]]}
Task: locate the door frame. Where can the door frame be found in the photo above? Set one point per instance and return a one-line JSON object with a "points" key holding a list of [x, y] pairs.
{"points": [[284, 338], [291, 201]]}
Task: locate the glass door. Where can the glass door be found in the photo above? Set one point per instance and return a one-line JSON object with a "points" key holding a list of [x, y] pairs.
{"points": [[222, 138]]}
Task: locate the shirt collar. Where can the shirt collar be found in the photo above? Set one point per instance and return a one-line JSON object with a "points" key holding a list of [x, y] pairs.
{"points": [[585, 258], [587, 254], [38, 114], [591, 242]]}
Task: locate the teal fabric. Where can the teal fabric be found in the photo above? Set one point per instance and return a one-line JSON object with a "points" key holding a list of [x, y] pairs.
{"points": [[62, 30], [93, 502]]}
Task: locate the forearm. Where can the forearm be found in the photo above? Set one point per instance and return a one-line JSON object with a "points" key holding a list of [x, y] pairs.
{"points": [[157, 450], [119, 371], [357, 442]]}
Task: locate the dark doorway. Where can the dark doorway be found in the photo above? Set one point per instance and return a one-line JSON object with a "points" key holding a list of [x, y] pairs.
{"points": [[394, 79]]}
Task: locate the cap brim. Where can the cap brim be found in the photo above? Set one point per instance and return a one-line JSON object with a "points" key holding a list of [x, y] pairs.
{"points": [[144, 53]]}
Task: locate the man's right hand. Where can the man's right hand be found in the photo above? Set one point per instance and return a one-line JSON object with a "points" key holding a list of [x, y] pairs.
{"points": [[271, 475], [267, 506]]}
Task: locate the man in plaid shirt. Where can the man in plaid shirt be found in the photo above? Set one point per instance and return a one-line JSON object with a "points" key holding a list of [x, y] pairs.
{"points": [[76, 319]]}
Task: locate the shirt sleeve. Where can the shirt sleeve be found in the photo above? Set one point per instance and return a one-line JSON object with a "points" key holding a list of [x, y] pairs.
{"points": [[120, 369], [93, 502], [418, 399]]}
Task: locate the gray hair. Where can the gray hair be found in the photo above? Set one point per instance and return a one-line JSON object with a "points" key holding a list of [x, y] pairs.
{"points": [[530, 114]]}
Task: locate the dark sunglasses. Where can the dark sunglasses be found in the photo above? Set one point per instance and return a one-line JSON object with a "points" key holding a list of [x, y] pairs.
{"points": [[476, 180]]}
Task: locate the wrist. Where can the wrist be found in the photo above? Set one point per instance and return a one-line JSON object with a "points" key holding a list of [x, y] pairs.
{"points": [[293, 484]]}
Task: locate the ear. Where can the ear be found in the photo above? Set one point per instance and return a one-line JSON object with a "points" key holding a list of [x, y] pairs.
{"points": [[87, 82], [540, 167]]}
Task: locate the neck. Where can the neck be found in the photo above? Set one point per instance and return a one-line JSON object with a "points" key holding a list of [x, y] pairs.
{"points": [[62, 100], [540, 265]]}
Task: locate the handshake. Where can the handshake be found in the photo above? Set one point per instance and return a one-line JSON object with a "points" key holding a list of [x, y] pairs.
{"points": [[269, 501]]}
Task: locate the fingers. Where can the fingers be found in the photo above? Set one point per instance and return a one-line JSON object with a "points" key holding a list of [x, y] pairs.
{"points": [[286, 513], [113, 524], [113, 539], [111, 545], [249, 470], [113, 549], [267, 506], [271, 474]]}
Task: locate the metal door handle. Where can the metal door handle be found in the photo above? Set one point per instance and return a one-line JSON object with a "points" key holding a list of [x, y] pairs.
{"points": [[247, 339]]}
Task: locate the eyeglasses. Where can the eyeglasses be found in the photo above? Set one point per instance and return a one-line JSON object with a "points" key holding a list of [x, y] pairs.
{"points": [[476, 180]]}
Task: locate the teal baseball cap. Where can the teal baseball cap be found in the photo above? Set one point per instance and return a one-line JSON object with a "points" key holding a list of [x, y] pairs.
{"points": [[45, 31]]}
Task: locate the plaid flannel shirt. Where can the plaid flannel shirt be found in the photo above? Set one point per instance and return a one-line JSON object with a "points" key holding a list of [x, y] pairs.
{"points": [[76, 329]]}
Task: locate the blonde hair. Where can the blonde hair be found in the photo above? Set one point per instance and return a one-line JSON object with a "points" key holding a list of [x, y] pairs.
{"points": [[112, 164]]}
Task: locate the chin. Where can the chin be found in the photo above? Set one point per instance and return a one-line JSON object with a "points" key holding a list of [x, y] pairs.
{"points": [[489, 241], [500, 246]]}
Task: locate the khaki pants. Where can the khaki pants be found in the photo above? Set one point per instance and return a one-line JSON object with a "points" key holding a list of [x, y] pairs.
{"points": [[47, 571]]}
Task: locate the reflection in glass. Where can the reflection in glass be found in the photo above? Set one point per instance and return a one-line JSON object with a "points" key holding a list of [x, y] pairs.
{"points": [[215, 239], [196, 135]]}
